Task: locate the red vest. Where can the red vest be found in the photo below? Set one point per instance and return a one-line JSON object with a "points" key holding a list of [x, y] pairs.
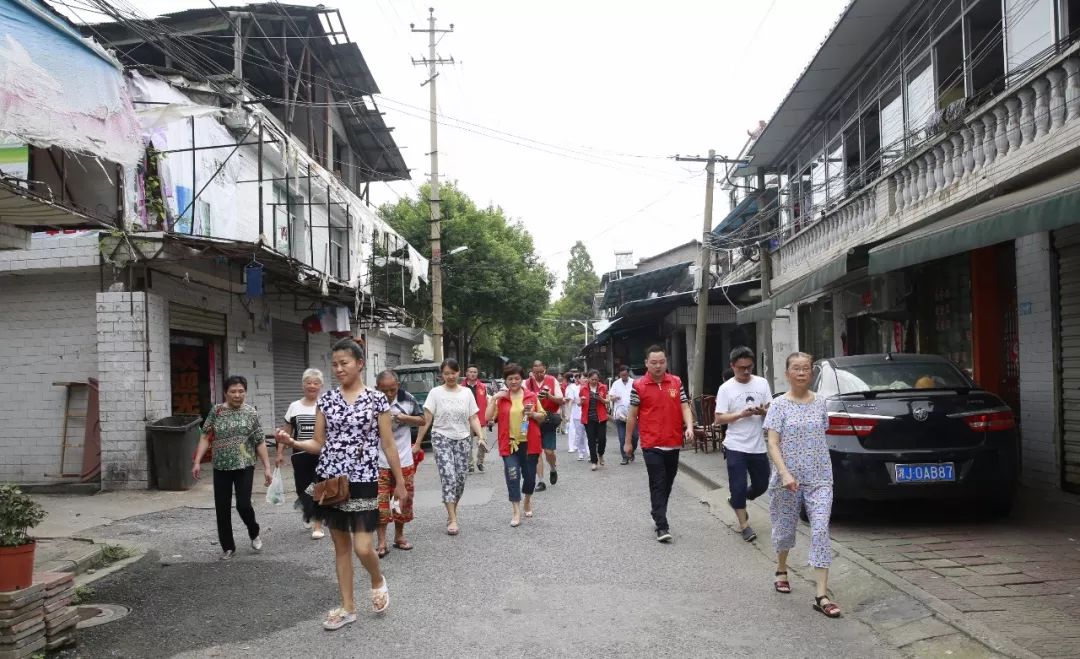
{"points": [[601, 409], [659, 417], [480, 393], [503, 415], [551, 384]]}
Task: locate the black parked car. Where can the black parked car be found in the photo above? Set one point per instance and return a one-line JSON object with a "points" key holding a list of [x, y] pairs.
{"points": [[916, 427]]}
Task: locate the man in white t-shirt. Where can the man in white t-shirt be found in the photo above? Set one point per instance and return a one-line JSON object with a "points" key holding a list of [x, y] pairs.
{"points": [[741, 403]]}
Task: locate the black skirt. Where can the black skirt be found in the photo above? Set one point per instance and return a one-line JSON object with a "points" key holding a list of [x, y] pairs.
{"points": [[360, 514], [304, 474]]}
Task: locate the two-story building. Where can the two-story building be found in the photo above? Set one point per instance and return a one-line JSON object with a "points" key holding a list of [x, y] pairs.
{"points": [[927, 187], [236, 237]]}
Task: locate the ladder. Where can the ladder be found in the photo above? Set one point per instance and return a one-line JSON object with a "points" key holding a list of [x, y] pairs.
{"points": [[65, 441]]}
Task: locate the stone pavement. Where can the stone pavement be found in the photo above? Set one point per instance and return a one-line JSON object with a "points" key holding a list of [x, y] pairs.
{"points": [[1012, 583]]}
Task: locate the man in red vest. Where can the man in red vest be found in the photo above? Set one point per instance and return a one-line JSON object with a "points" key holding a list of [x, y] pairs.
{"points": [[479, 390], [660, 411], [551, 399]]}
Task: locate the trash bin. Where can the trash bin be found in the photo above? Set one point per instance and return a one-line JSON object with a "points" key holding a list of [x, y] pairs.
{"points": [[173, 441]]}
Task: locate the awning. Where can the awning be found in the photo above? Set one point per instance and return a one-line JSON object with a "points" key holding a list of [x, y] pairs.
{"points": [[745, 210], [761, 311], [1052, 204], [811, 282], [28, 210]]}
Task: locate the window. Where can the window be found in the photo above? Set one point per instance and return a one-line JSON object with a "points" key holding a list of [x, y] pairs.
{"points": [[1029, 31], [1071, 19], [892, 127], [836, 171], [853, 174], [339, 262], [949, 66], [898, 376], [279, 217], [785, 203], [818, 189], [871, 144], [985, 52], [920, 98]]}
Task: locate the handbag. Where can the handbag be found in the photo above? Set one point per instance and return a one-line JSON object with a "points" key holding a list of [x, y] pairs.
{"points": [[332, 491]]}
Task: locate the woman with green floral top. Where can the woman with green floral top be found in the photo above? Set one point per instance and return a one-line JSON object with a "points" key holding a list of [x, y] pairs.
{"points": [[238, 438]]}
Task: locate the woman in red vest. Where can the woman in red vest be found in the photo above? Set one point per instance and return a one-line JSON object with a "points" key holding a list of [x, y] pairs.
{"points": [[519, 416], [594, 402]]}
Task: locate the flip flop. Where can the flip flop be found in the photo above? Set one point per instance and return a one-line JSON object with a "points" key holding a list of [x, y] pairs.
{"points": [[403, 545], [379, 592], [382, 553], [452, 529]]}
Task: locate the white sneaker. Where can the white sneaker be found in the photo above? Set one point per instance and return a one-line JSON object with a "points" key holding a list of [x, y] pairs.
{"points": [[256, 544]]}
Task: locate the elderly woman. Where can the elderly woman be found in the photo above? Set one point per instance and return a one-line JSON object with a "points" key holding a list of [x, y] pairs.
{"points": [[519, 415], [405, 414], [300, 423], [238, 439], [351, 422], [451, 414]]}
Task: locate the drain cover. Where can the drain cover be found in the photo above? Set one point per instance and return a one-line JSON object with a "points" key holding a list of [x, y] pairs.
{"points": [[92, 615]]}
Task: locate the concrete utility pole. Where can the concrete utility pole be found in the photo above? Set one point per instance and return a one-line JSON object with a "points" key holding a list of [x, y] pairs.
{"points": [[432, 62], [697, 376]]}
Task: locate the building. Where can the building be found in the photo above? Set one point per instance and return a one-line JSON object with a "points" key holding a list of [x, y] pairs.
{"points": [[925, 171], [228, 231]]}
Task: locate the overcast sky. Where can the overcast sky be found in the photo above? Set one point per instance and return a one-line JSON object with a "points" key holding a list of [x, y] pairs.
{"points": [[591, 98]]}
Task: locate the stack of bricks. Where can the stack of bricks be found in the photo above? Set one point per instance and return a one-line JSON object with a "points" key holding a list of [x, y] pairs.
{"points": [[38, 618], [60, 618]]}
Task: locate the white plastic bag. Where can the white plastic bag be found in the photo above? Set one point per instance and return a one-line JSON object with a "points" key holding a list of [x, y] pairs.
{"points": [[275, 494]]}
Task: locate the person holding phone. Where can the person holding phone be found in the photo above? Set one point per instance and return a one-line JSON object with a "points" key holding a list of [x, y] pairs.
{"points": [[519, 415], [741, 403], [594, 402], [549, 392], [796, 423]]}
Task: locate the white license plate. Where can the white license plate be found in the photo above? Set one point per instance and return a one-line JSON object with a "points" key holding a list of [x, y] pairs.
{"points": [[935, 472]]}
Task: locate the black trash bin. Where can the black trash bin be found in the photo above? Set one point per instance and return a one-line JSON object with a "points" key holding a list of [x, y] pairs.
{"points": [[173, 441]]}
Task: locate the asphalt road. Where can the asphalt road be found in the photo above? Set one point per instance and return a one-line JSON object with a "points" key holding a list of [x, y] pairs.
{"points": [[584, 578]]}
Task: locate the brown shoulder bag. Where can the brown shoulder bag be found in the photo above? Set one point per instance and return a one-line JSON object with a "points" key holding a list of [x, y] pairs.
{"points": [[332, 491]]}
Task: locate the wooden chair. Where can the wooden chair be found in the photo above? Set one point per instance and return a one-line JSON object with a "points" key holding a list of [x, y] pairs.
{"points": [[704, 408]]}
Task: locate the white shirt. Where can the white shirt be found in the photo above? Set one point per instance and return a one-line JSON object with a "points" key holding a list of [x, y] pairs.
{"points": [[301, 417], [623, 391], [573, 394], [744, 435], [451, 411], [402, 433]]}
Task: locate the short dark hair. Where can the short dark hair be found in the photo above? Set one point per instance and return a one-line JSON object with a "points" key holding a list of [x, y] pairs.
{"points": [[388, 374], [236, 379], [655, 348], [798, 355], [624, 369], [742, 352], [472, 366], [594, 372], [539, 361], [513, 368], [450, 363], [350, 346]]}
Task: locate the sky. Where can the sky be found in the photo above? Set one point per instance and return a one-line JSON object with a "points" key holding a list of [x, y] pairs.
{"points": [[590, 99]]}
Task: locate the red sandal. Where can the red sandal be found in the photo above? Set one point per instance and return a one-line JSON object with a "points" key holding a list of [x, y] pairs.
{"points": [[782, 585], [829, 610]]}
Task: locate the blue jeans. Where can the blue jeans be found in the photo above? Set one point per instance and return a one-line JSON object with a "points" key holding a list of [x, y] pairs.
{"points": [[520, 470], [620, 428], [738, 465]]}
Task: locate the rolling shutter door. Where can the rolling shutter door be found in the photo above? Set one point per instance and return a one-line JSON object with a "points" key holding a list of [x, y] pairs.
{"points": [[1067, 244], [195, 321], [290, 361]]}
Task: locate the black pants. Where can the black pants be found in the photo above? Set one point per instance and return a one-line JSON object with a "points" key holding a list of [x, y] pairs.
{"points": [[224, 481], [596, 432], [303, 465], [662, 467]]}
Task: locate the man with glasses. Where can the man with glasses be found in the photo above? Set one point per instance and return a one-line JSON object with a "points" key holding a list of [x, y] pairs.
{"points": [[741, 403]]}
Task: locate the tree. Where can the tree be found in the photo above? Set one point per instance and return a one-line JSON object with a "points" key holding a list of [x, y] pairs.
{"points": [[576, 304], [490, 291]]}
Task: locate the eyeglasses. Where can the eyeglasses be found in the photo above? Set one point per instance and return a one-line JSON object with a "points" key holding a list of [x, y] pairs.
{"points": [[800, 369], [744, 368]]}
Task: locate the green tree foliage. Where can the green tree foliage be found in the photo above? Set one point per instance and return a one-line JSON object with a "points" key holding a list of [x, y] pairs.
{"points": [[494, 291], [579, 289]]}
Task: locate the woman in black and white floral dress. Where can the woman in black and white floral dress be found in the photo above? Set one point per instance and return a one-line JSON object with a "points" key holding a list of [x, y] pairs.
{"points": [[351, 421]]}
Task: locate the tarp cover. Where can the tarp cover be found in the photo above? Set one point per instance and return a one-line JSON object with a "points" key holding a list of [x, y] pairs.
{"points": [[58, 89]]}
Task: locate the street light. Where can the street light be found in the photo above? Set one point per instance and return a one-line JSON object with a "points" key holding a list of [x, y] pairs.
{"points": [[457, 250], [583, 323]]}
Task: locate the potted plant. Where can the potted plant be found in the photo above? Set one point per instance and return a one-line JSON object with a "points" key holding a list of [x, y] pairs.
{"points": [[18, 514]]}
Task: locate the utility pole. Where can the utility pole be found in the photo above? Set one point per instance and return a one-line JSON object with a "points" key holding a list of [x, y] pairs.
{"points": [[697, 375], [432, 62]]}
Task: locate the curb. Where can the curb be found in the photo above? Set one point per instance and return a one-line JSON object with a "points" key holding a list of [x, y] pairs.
{"points": [[952, 616]]}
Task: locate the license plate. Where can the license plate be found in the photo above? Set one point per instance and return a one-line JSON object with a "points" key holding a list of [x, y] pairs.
{"points": [[926, 473]]}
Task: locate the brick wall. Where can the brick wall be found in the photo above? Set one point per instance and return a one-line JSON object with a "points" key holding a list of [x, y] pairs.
{"points": [[1038, 413], [133, 363], [53, 254], [47, 334]]}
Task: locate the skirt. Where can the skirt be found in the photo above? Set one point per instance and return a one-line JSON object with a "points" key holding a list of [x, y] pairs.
{"points": [[360, 514]]}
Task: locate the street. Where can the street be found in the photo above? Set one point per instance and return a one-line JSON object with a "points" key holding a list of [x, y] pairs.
{"points": [[583, 578]]}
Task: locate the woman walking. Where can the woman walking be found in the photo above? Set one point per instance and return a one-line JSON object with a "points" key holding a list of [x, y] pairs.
{"points": [[594, 402], [404, 417], [796, 423], [300, 423], [519, 438], [238, 438], [451, 414], [351, 423]]}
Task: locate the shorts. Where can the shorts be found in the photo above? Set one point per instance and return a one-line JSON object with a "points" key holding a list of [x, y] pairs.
{"points": [[386, 490], [549, 437]]}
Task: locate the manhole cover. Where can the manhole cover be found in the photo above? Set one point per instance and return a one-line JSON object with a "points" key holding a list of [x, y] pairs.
{"points": [[92, 615]]}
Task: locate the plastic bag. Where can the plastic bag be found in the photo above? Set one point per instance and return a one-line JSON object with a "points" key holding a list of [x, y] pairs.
{"points": [[275, 494]]}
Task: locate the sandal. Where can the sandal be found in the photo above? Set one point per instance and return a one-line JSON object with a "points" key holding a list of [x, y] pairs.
{"points": [[403, 545], [829, 610], [338, 618], [452, 529], [528, 513], [782, 585], [383, 552], [380, 594], [515, 522]]}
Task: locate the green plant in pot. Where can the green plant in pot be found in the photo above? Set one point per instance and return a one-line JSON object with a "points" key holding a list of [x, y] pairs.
{"points": [[18, 514]]}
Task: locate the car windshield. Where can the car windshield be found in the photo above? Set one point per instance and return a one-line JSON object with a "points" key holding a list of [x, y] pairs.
{"points": [[418, 382], [897, 375]]}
